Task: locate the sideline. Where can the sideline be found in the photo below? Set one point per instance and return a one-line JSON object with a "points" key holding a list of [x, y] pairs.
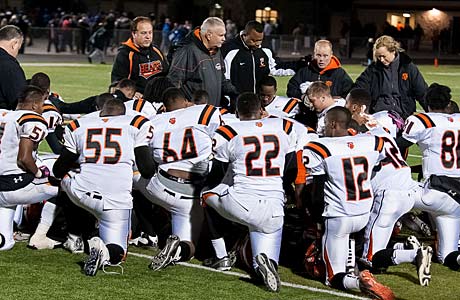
{"points": [[288, 284], [59, 65]]}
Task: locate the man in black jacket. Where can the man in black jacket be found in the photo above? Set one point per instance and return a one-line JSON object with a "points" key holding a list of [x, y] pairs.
{"points": [[137, 58], [247, 61], [12, 77], [323, 67], [198, 63]]}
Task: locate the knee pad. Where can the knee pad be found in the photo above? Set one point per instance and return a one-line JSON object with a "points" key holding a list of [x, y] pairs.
{"points": [[451, 260], [383, 259], [2, 240], [337, 281], [116, 253]]}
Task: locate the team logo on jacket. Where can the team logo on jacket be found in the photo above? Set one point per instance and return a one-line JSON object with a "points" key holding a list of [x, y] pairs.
{"points": [[350, 145], [147, 70], [218, 66], [172, 120], [328, 83], [404, 76], [262, 62], [259, 124]]}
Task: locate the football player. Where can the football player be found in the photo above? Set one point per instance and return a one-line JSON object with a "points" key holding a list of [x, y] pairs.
{"points": [[106, 148], [21, 180], [394, 195], [437, 135], [318, 98], [182, 148], [261, 153], [341, 166], [276, 105]]}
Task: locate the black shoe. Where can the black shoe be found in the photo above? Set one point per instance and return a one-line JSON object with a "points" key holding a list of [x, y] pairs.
{"points": [[90, 60], [268, 272]]}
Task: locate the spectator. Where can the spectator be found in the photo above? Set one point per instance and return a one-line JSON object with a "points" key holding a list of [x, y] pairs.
{"points": [[392, 79], [247, 61], [83, 27], [231, 29], [198, 64], [53, 37], [98, 42], [323, 67], [165, 31], [418, 34], [297, 33], [12, 77], [138, 59]]}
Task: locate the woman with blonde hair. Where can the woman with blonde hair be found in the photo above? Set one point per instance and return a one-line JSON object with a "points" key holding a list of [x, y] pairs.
{"points": [[393, 80]]}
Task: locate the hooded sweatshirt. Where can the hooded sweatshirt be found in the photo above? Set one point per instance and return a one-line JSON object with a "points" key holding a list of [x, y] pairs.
{"points": [[139, 64], [333, 75]]}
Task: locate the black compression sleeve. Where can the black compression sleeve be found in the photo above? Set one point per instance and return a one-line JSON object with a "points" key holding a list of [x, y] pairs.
{"points": [[64, 163], [144, 161], [217, 173], [54, 143]]}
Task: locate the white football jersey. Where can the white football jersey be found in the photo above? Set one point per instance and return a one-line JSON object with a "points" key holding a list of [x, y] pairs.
{"points": [[384, 120], [394, 173], [283, 107], [438, 136], [256, 150], [142, 107], [52, 116], [322, 115], [15, 125], [347, 161], [227, 117], [105, 146], [183, 138]]}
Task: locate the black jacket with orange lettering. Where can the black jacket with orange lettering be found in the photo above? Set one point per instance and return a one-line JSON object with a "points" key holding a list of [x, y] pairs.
{"points": [[139, 64], [333, 75]]}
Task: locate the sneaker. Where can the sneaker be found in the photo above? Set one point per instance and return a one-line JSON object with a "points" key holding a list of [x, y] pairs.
{"points": [[145, 241], [41, 241], [370, 286], [412, 243], [98, 256], [222, 264], [74, 243], [168, 255], [423, 262], [268, 272], [20, 236], [415, 224]]}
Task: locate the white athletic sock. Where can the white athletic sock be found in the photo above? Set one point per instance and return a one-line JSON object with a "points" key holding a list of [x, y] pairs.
{"points": [[399, 246], [48, 215], [404, 256], [219, 247], [351, 282]]}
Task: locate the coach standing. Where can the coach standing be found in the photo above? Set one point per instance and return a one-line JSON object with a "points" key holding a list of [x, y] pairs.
{"points": [[12, 77], [247, 62], [198, 64], [138, 59]]}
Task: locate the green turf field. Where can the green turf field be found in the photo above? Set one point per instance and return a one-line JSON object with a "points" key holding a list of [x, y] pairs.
{"points": [[56, 274]]}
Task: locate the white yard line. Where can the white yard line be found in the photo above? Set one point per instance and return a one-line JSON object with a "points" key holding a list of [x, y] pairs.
{"points": [[288, 284], [57, 65], [415, 155], [443, 73]]}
